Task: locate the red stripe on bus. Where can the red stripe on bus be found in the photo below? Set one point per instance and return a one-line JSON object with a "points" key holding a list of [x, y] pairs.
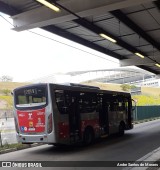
{"points": [[94, 123], [63, 130]]}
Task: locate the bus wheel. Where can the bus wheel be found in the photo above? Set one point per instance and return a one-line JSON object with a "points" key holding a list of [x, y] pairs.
{"points": [[121, 130], [88, 136]]}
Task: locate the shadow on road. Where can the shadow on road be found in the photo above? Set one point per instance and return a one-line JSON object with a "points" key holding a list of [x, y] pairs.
{"points": [[98, 144]]}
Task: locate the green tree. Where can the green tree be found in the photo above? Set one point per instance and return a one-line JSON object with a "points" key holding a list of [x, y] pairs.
{"points": [[125, 87], [6, 92], [133, 86]]}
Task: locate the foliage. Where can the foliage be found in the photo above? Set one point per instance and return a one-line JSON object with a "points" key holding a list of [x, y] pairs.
{"points": [[8, 100], [125, 87], [11, 85], [6, 92], [133, 86], [14, 145], [146, 100]]}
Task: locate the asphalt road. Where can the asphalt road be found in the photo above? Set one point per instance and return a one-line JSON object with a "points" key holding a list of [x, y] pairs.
{"points": [[136, 143]]}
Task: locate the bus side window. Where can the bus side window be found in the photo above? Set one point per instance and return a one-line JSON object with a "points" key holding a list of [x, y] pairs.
{"points": [[121, 106], [87, 102], [126, 106], [60, 101]]}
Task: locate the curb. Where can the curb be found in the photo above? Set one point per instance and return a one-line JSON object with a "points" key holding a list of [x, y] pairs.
{"points": [[17, 149], [8, 150], [145, 120], [151, 156]]}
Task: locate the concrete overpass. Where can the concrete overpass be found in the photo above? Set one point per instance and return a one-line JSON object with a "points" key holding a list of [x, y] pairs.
{"points": [[128, 30], [115, 75]]}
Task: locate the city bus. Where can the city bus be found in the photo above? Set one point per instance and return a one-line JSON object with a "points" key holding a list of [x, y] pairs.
{"points": [[67, 114]]}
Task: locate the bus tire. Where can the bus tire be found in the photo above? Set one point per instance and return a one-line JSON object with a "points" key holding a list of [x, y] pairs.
{"points": [[88, 136], [121, 130]]}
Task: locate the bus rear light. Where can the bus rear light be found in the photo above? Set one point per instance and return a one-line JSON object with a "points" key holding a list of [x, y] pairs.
{"points": [[49, 125]]}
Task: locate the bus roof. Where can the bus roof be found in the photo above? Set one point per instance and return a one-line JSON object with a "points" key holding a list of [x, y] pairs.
{"points": [[74, 86]]}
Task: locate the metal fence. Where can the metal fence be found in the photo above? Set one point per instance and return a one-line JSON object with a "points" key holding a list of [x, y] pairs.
{"points": [[6, 113], [146, 112]]}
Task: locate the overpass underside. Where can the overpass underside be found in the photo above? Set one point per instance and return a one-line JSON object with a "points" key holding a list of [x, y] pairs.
{"points": [[128, 30]]}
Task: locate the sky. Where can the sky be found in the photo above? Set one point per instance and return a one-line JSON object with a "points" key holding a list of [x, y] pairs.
{"points": [[25, 56]]}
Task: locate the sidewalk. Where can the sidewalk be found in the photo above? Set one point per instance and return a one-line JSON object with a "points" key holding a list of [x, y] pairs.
{"points": [[7, 130], [153, 157]]}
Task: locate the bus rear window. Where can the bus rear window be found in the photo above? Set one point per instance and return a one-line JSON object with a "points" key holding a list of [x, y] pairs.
{"points": [[31, 96]]}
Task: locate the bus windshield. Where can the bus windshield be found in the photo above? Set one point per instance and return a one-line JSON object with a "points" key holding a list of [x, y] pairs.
{"points": [[31, 96]]}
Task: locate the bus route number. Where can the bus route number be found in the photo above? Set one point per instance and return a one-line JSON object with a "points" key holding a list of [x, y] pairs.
{"points": [[30, 91]]}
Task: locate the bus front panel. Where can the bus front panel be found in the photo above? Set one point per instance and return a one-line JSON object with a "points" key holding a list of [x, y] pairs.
{"points": [[33, 114]]}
